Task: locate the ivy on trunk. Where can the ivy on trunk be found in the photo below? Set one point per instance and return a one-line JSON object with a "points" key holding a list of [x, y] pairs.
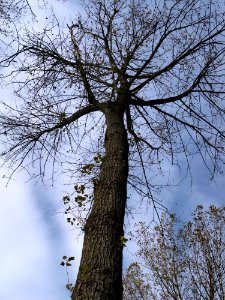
{"points": [[100, 272]]}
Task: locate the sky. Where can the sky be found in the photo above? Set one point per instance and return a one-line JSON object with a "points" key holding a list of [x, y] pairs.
{"points": [[34, 234]]}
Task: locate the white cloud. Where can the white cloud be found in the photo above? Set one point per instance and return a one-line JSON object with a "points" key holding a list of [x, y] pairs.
{"points": [[33, 241]]}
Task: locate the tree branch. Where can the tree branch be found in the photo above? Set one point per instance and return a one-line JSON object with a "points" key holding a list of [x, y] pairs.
{"points": [[9, 122], [186, 53], [141, 102], [91, 97], [132, 132]]}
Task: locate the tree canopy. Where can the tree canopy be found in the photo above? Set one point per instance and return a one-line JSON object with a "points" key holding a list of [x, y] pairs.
{"points": [[166, 57]]}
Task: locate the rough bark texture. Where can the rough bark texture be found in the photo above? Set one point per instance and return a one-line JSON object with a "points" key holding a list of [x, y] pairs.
{"points": [[100, 272]]}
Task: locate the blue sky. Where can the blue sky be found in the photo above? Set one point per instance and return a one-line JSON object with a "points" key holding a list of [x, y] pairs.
{"points": [[34, 234]]}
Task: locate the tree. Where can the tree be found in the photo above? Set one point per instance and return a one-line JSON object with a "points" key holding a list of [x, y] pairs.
{"points": [[135, 81], [180, 262], [135, 284]]}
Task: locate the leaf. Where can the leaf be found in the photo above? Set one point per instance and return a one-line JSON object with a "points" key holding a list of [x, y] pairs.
{"points": [[123, 241], [71, 258]]}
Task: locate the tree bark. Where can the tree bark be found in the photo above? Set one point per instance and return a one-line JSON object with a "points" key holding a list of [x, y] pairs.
{"points": [[100, 272]]}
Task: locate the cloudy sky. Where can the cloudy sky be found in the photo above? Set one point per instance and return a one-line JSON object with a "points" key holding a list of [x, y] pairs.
{"points": [[33, 232], [34, 235]]}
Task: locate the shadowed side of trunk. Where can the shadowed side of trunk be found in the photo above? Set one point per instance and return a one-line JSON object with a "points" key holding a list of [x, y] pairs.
{"points": [[100, 272]]}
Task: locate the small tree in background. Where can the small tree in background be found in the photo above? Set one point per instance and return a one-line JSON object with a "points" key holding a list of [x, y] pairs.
{"points": [[138, 82], [180, 262], [135, 284]]}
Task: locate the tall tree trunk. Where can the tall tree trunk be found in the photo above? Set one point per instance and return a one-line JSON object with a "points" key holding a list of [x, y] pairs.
{"points": [[100, 272]]}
